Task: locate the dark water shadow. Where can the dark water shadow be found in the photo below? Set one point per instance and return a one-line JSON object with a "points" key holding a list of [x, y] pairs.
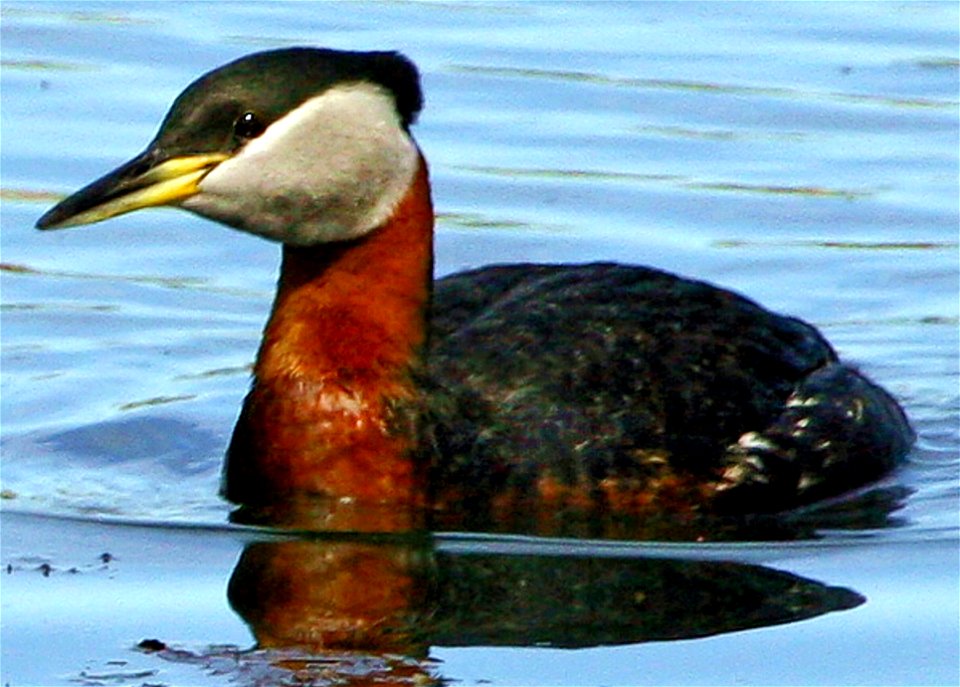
{"points": [[169, 442]]}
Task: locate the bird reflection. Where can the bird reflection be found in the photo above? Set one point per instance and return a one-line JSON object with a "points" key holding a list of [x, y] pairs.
{"points": [[368, 609], [335, 595]]}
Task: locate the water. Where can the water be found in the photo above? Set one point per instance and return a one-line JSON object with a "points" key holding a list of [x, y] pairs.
{"points": [[804, 154]]}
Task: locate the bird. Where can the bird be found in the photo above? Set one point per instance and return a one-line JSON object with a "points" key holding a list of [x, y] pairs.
{"points": [[604, 386]]}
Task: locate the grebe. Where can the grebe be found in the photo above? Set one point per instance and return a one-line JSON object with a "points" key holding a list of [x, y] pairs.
{"points": [[597, 385]]}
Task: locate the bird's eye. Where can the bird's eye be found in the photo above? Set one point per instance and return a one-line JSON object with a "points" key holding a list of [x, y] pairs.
{"points": [[248, 125]]}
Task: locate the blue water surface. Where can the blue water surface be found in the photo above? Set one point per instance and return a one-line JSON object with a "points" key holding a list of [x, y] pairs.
{"points": [[805, 154]]}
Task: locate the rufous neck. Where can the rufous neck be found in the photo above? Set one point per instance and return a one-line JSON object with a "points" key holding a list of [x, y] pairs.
{"points": [[334, 407], [355, 310]]}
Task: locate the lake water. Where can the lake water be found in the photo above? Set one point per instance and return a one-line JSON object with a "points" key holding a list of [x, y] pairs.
{"points": [[805, 154]]}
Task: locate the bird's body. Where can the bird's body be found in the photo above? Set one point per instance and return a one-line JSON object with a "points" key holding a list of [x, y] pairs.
{"points": [[604, 385]]}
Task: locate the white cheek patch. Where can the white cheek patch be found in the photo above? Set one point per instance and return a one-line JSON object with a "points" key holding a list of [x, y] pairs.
{"points": [[333, 169]]}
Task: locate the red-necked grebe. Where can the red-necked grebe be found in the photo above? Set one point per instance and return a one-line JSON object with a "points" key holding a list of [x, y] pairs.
{"points": [[599, 384]]}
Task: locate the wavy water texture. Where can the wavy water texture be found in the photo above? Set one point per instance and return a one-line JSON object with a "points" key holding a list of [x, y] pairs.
{"points": [[804, 154]]}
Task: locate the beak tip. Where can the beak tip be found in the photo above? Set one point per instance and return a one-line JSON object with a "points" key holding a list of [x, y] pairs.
{"points": [[48, 220]]}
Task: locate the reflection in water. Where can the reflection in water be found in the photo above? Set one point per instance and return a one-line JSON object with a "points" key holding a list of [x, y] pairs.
{"points": [[340, 595], [367, 609], [362, 596], [404, 596]]}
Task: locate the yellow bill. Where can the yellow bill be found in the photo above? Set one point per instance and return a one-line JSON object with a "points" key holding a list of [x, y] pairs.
{"points": [[133, 186]]}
